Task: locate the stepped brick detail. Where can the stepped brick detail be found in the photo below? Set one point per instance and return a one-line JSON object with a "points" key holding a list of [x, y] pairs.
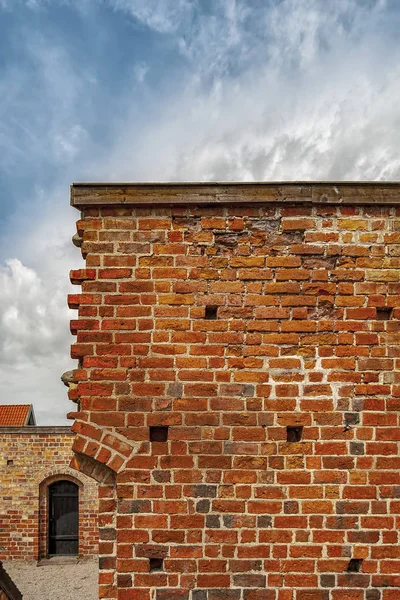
{"points": [[257, 327]]}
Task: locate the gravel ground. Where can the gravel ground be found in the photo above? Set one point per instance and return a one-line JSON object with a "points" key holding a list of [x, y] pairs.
{"points": [[55, 581]]}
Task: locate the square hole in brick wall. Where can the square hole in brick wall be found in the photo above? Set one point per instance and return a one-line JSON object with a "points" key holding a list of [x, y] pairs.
{"points": [[294, 434], [354, 565], [155, 564], [158, 434], [10, 462], [211, 312], [383, 313]]}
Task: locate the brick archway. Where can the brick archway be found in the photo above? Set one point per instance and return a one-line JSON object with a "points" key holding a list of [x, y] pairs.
{"points": [[44, 510]]}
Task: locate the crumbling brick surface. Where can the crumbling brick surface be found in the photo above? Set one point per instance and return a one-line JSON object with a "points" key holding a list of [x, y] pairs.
{"points": [[31, 458], [265, 337]]}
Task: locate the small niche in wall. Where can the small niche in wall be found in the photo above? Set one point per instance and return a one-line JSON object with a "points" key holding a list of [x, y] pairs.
{"points": [[155, 564], [354, 565], [158, 434], [211, 312], [383, 313], [10, 462], [294, 434]]}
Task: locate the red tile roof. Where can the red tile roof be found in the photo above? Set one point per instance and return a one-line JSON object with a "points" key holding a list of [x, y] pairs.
{"points": [[14, 415]]}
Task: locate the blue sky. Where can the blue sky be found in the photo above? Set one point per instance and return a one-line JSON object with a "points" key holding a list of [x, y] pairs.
{"points": [[163, 90]]}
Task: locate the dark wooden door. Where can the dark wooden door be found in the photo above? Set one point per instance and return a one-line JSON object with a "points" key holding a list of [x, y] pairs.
{"points": [[63, 518]]}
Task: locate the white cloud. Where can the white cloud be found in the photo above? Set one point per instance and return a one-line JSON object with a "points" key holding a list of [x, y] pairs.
{"points": [[319, 98], [34, 339], [42, 102], [68, 144], [289, 89], [140, 71], [164, 17]]}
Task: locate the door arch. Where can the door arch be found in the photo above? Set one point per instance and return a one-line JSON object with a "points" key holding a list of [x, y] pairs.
{"points": [[63, 515]]}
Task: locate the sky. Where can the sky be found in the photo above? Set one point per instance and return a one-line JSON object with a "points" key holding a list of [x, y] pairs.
{"points": [[169, 90]]}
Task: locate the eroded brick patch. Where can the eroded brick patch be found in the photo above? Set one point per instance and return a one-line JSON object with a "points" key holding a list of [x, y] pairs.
{"points": [[232, 326]]}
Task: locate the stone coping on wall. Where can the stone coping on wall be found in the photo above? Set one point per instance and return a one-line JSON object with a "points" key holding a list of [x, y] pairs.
{"points": [[39, 430], [189, 193]]}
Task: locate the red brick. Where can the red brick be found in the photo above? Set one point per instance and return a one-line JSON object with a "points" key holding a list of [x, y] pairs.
{"points": [[299, 224], [114, 273], [244, 513]]}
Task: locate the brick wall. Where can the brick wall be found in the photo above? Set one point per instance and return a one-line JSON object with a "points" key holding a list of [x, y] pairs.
{"points": [[30, 460], [260, 325]]}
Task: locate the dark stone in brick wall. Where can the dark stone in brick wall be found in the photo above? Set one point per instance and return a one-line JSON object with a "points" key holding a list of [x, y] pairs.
{"points": [[228, 448], [213, 521], [357, 448], [134, 506], [257, 581], [327, 581], [205, 491], [248, 390], [351, 418], [199, 595], [228, 521], [373, 595], [172, 594], [175, 390], [161, 476], [358, 404], [107, 562], [354, 580], [264, 521], [290, 507], [203, 506], [124, 580], [151, 551], [107, 533], [224, 594]]}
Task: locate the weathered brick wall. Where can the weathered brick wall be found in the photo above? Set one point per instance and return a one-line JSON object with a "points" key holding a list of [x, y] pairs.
{"points": [[265, 336], [30, 460]]}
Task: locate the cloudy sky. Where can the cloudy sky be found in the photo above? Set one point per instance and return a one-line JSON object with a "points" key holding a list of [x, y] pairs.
{"points": [[164, 90]]}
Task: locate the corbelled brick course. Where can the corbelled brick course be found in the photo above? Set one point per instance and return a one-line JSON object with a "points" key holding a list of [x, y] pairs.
{"points": [[259, 324]]}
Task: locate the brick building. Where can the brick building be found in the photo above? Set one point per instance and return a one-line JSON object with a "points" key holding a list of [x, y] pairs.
{"points": [[17, 415], [34, 499], [237, 389]]}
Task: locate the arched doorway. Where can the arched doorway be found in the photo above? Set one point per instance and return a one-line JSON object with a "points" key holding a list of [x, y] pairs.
{"points": [[63, 514]]}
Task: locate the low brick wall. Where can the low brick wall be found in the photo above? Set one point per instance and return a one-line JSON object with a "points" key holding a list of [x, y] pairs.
{"points": [[237, 349], [30, 459]]}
